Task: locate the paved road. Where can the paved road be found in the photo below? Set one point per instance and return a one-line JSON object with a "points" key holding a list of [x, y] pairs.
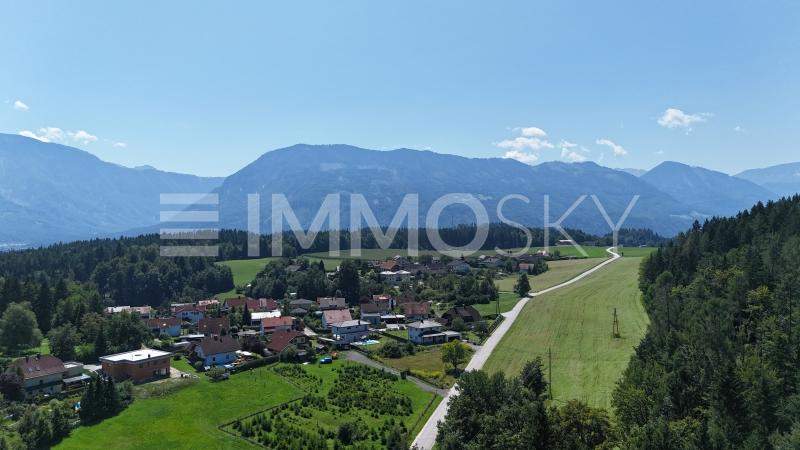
{"points": [[427, 436], [359, 357]]}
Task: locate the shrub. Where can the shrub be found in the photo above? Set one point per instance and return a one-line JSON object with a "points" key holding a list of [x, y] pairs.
{"points": [[216, 373]]}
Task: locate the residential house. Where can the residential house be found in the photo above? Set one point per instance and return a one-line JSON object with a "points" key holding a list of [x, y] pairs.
{"points": [[190, 313], [213, 325], [137, 365], [458, 266], [208, 302], [428, 332], [41, 374], [170, 326], [349, 331], [389, 266], [253, 304], [399, 276], [273, 324], [284, 338], [466, 313], [332, 316], [216, 350], [145, 312], [416, 311], [326, 303], [257, 317], [303, 303], [385, 300]]}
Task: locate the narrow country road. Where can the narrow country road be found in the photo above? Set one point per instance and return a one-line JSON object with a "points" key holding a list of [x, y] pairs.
{"points": [[427, 436]]}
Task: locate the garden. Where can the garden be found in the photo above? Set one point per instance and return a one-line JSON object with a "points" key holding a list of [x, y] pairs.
{"points": [[348, 406]]}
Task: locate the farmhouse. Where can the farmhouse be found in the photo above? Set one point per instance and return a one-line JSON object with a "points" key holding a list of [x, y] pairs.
{"points": [[349, 331], [466, 313], [416, 311], [213, 325], [326, 303], [138, 365], [429, 332], [216, 350], [169, 326], [332, 316], [41, 374]]}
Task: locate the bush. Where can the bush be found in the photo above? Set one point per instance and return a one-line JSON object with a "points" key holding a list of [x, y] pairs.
{"points": [[391, 349], [216, 373], [198, 366]]}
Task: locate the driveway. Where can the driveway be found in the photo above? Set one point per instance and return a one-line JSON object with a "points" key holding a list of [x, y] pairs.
{"points": [[427, 436]]}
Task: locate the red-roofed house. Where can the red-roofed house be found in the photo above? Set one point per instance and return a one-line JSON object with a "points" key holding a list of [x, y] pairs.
{"points": [[282, 339], [253, 304], [41, 374], [213, 325], [171, 326], [272, 324], [191, 313], [332, 316], [416, 312]]}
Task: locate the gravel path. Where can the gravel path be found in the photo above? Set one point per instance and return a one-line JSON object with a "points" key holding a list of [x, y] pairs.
{"points": [[427, 436]]}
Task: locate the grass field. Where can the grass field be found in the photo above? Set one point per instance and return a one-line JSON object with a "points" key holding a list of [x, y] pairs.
{"points": [[189, 418], [559, 272], [426, 363], [379, 254], [637, 252], [244, 271], [507, 301], [576, 322]]}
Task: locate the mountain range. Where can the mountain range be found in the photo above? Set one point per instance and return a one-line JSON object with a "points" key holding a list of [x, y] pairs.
{"points": [[50, 192]]}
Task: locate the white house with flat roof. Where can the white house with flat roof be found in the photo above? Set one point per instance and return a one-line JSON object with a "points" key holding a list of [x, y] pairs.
{"points": [[349, 331], [428, 332]]}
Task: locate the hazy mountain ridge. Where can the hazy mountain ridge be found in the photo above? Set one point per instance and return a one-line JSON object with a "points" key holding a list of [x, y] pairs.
{"points": [[783, 179], [706, 192], [51, 192]]}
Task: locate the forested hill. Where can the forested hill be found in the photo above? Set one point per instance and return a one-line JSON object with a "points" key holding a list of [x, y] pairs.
{"points": [[719, 365]]}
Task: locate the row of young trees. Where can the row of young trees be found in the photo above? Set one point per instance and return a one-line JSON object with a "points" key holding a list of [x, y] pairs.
{"points": [[720, 364]]}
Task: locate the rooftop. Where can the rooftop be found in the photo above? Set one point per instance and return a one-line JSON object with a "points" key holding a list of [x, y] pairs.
{"points": [[425, 324], [135, 355]]}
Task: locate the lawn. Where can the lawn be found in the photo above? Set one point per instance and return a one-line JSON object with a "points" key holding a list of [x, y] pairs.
{"points": [[244, 271], [507, 301], [426, 363], [637, 252], [188, 418], [345, 392], [559, 272], [576, 323]]}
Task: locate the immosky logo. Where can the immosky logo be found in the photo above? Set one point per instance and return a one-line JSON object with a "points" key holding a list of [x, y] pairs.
{"points": [[406, 217]]}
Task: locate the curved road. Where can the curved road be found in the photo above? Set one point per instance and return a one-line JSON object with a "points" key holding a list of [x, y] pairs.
{"points": [[427, 436]]}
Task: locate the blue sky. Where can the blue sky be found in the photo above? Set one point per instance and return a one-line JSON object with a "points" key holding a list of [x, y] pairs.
{"points": [[205, 87]]}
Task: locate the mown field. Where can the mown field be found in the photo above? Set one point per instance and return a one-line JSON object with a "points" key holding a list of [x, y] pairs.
{"points": [[637, 252], [576, 323], [244, 271], [190, 417], [559, 272]]}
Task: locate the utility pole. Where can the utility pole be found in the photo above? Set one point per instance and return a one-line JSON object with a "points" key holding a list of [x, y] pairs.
{"points": [[615, 326], [550, 371]]}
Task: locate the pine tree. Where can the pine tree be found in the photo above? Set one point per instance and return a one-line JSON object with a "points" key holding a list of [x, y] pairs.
{"points": [[246, 318], [43, 307], [100, 343], [523, 286]]}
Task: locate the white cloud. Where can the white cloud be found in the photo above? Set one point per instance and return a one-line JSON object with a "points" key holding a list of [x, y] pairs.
{"points": [[32, 135], [618, 149], [659, 152], [522, 143], [19, 106], [45, 134], [739, 129], [572, 156], [527, 158], [82, 136], [120, 145], [532, 132], [675, 118]]}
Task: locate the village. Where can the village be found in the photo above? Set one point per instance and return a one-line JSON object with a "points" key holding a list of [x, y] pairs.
{"points": [[421, 320]]}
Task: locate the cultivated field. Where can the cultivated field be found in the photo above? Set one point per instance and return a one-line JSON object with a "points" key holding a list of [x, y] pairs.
{"points": [[190, 417], [576, 323]]}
